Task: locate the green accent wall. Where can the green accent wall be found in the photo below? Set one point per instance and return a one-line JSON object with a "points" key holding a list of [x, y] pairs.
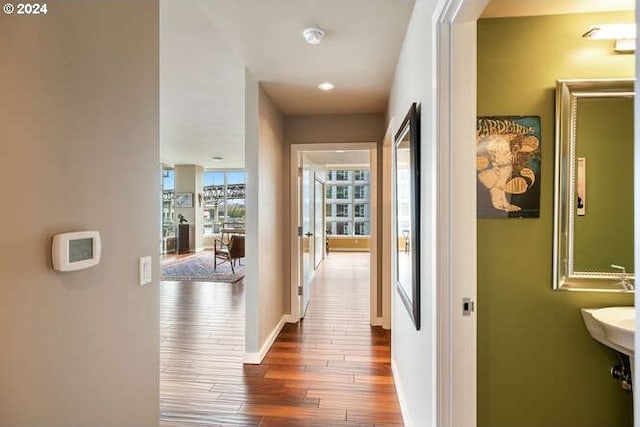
{"points": [[537, 364]]}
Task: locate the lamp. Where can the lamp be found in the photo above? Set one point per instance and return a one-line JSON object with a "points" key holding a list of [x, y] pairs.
{"points": [[623, 34]]}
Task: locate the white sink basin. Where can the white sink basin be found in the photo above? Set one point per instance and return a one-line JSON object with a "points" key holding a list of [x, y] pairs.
{"points": [[612, 326]]}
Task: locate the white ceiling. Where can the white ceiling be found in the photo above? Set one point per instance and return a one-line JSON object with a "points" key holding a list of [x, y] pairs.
{"points": [[333, 158], [201, 90], [359, 53], [206, 44]]}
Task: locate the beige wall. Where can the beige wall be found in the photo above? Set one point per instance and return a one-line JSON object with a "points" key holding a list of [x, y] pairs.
{"points": [[189, 179], [79, 144], [272, 229], [305, 129]]}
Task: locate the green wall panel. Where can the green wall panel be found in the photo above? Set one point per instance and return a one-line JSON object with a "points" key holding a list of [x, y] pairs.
{"points": [[537, 365]]}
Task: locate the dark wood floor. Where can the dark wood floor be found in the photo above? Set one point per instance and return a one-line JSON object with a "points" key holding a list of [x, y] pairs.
{"points": [[332, 369]]}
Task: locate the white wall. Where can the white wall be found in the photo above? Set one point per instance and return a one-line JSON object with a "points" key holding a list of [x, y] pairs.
{"points": [[413, 352], [79, 144]]}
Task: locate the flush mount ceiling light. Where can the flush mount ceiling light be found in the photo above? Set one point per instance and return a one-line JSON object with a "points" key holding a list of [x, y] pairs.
{"points": [[623, 34], [313, 35], [217, 158], [326, 86]]}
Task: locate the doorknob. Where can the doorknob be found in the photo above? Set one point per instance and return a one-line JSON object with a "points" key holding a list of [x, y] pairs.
{"points": [[308, 234]]}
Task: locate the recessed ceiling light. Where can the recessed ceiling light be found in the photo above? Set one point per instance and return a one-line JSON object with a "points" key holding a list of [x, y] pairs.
{"points": [[339, 151], [217, 158], [313, 35], [326, 86]]}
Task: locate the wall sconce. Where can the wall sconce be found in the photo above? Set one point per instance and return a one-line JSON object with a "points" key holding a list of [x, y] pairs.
{"points": [[623, 34]]}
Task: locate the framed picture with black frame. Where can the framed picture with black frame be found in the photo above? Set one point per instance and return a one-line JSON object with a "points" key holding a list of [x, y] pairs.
{"points": [[406, 149]]}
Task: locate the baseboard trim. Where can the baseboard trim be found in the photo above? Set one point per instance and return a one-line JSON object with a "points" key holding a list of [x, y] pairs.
{"points": [[255, 358], [290, 318], [377, 321], [400, 391]]}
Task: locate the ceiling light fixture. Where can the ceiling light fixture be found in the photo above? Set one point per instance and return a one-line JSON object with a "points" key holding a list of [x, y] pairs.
{"points": [[326, 86], [217, 158], [313, 35], [623, 34]]}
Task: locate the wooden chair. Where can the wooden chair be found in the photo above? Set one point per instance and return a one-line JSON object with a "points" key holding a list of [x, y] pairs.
{"points": [[229, 252]]}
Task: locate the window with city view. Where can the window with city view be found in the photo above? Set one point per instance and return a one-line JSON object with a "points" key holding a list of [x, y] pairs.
{"points": [[347, 202], [168, 210], [223, 202]]}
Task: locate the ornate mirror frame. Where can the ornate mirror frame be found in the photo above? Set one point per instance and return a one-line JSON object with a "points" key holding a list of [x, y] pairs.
{"points": [[565, 277]]}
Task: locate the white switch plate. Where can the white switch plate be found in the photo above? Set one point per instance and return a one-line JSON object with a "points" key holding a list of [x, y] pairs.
{"points": [[145, 270]]}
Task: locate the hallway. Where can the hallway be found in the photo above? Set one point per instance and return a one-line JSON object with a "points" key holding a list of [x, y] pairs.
{"points": [[332, 369]]}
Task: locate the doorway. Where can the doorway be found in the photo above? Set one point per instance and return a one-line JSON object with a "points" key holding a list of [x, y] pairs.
{"points": [[333, 193]]}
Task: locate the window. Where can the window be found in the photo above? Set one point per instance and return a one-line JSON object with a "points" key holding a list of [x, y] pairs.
{"points": [[342, 210], [342, 192], [342, 175], [223, 201], [360, 175], [342, 228], [361, 229], [347, 209], [329, 191], [168, 208], [360, 210]]}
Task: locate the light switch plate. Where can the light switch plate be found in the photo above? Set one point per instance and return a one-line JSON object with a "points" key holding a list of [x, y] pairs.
{"points": [[145, 270]]}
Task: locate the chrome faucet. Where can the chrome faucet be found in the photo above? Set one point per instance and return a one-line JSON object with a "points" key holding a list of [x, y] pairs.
{"points": [[625, 282]]}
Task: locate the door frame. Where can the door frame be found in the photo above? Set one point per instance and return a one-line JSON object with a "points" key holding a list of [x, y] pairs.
{"points": [[295, 164], [323, 231], [456, 32]]}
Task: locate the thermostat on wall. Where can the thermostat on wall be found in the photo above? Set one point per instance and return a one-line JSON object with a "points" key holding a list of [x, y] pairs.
{"points": [[76, 251]]}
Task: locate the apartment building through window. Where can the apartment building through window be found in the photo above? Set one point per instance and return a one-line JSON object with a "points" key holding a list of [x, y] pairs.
{"points": [[347, 195]]}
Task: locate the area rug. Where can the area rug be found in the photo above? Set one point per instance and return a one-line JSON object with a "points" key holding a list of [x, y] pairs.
{"points": [[199, 268]]}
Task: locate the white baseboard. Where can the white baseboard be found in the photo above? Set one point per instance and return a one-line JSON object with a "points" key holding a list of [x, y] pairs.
{"points": [[386, 324], [256, 358], [377, 321], [400, 391], [290, 318]]}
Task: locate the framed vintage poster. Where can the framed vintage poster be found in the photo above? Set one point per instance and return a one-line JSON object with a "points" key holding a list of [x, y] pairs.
{"points": [[508, 166]]}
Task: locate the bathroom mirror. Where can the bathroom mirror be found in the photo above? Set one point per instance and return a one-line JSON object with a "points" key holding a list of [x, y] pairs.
{"points": [[593, 221]]}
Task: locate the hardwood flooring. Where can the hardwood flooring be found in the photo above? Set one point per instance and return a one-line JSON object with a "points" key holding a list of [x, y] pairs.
{"points": [[331, 369]]}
